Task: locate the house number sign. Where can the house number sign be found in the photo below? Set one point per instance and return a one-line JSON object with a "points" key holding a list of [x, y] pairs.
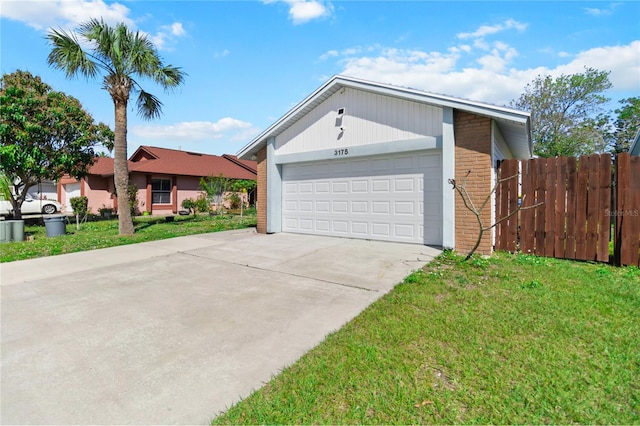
{"points": [[340, 152]]}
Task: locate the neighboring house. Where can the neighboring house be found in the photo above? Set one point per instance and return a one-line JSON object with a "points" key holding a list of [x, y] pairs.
{"points": [[635, 145], [164, 178], [45, 190], [367, 160]]}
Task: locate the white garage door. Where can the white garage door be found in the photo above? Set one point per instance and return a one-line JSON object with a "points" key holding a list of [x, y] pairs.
{"points": [[391, 198], [71, 190]]}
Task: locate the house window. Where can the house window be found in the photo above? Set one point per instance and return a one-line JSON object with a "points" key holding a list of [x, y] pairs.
{"points": [[161, 191]]}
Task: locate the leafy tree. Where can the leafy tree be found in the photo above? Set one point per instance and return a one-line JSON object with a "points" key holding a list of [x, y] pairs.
{"points": [[244, 186], [564, 112], [626, 124], [121, 56], [44, 134], [215, 187]]}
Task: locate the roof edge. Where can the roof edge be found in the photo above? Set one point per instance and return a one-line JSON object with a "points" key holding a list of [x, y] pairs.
{"points": [[494, 111]]}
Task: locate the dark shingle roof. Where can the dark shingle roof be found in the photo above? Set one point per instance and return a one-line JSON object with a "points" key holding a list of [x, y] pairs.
{"points": [[149, 159]]}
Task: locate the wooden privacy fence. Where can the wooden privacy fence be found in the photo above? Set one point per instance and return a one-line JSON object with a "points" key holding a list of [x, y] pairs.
{"points": [[582, 201]]}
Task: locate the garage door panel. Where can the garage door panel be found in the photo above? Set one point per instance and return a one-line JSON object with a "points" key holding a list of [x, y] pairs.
{"points": [[381, 198], [322, 206], [360, 228], [340, 207], [381, 229], [340, 187], [380, 207], [323, 187], [360, 207], [404, 208], [323, 225], [360, 186], [404, 184], [405, 231], [380, 185], [341, 226]]}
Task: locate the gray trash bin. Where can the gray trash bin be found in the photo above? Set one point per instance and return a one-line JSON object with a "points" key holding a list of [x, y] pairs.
{"points": [[17, 229], [55, 225], [5, 231]]}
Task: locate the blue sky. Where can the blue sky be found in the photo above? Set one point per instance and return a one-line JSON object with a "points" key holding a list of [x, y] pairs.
{"points": [[249, 62]]}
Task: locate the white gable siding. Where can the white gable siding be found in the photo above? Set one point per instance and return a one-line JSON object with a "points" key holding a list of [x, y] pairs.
{"points": [[369, 118]]}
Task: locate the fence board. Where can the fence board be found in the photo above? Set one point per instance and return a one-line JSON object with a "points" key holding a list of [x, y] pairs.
{"points": [[549, 204], [501, 196], [560, 207], [592, 207], [538, 246], [581, 208], [512, 189], [634, 212], [572, 183], [604, 201], [528, 216]]}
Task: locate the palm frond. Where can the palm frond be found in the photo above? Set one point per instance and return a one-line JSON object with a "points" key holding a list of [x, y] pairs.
{"points": [[67, 55], [149, 106], [170, 76]]}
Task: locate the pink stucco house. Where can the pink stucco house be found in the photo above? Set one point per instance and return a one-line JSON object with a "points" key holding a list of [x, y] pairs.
{"points": [[164, 177]]}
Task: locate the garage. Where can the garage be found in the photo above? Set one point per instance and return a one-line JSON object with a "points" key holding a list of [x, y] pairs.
{"points": [[368, 160], [378, 198], [71, 190]]}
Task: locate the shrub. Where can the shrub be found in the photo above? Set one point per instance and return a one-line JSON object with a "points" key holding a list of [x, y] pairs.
{"points": [[202, 204], [234, 200], [132, 191], [189, 204], [80, 205]]}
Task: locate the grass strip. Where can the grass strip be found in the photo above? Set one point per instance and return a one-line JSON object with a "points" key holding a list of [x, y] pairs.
{"points": [[104, 233], [513, 339]]}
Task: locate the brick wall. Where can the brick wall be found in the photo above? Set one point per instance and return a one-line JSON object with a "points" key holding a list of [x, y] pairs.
{"points": [[473, 153], [261, 193]]}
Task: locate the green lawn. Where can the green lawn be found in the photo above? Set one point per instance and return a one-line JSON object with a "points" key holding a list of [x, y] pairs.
{"points": [[514, 339], [104, 233]]}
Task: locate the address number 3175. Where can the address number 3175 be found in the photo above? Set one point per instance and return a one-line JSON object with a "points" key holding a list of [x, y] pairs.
{"points": [[338, 152]]}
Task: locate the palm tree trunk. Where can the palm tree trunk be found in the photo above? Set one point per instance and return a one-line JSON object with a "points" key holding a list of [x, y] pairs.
{"points": [[121, 169]]}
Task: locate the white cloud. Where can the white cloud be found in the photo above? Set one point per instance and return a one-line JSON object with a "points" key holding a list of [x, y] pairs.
{"points": [[43, 15], [221, 53], [303, 11], [69, 14], [601, 12], [486, 30], [193, 130], [495, 79], [168, 34], [177, 29], [623, 61]]}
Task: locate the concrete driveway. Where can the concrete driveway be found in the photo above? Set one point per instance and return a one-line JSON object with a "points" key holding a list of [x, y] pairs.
{"points": [[176, 331]]}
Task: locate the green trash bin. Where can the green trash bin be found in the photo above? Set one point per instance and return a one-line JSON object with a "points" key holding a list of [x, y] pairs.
{"points": [[55, 225], [17, 229]]}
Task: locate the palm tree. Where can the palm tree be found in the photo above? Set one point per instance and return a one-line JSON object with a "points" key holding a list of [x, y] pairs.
{"points": [[119, 55]]}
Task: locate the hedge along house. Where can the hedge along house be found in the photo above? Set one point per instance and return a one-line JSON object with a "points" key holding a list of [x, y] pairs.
{"points": [[367, 160]]}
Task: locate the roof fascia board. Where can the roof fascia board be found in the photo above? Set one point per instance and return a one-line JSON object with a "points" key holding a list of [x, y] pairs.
{"points": [[142, 148], [239, 163]]}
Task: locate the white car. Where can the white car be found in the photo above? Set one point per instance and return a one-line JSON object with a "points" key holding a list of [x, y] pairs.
{"points": [[31, 206]]}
